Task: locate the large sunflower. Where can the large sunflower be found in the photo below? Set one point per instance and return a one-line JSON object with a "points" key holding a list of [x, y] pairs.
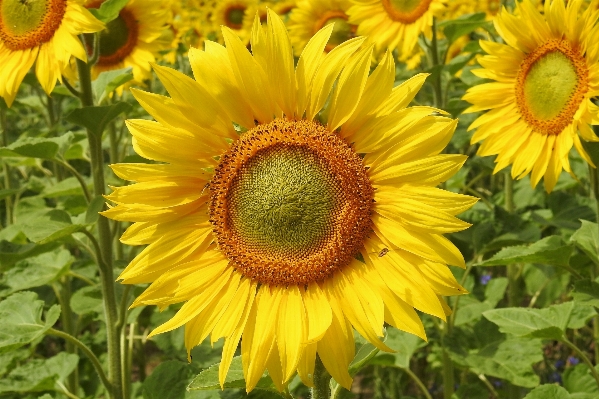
{"points": [[296, 231], [545, 76], [132, 39], [45, 30], [311, 15], [395, 23]]}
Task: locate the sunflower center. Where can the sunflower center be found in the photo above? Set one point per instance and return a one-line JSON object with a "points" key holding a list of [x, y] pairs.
{"points": [[234, 16], [550, 86], [406, 11], [342, 30], [291, 203], [119, 39], [28, 23]]}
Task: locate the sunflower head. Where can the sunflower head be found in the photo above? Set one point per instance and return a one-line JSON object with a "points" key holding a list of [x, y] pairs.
{"points": [[26, 24], [540, 103], [292, 204]]}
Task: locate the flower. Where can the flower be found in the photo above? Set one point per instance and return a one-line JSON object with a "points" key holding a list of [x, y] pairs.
{"points": [[395, 23], [44, 32], [132, 39], [545, 76], [283, 222], [311, 15], [232, 13]]}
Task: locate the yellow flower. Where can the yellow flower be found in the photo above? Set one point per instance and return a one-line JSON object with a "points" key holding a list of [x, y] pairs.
{"points": [[46, 31], [231, 13], [545, 76], [131, 40], [311, 15], [395, 23], [297, 231]]}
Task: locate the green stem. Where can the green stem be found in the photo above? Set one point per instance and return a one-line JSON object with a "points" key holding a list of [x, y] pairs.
{"points": [[77, 175], [435, 57], [105, 241], [509, 193], [582, 356], [488, 385], [513, 270], [418, 382], [8, 200], [63, 292], [90, 355], [322, 380], [448, 377]]}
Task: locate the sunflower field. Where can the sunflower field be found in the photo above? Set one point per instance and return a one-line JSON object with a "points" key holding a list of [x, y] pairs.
{"points": [[293, 199]]}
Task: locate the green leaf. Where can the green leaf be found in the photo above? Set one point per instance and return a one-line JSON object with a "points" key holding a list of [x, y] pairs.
{"points": [[511, 359], [21, 316], [548, 392], [35, 147], [8, 192], [36, 271], [208, 379], [550, 250], [87, 300], [108, 81], [578, 379], [549, 323], [464, 25], [95, 119], [471, 309], [169, 381], [96, 205], [109, 10], [11, 253], [67, 187], [587, 239], [365, 353], [586, 292], [50, 226], [405, 344], [40, 375]]}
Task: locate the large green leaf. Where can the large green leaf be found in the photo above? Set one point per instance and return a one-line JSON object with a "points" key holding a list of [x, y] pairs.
{"points": [[35, 271], [35, 147], [11, 253], [578, 379], [67, 187], [470, 309], [95, 119], [87, 300], [549, 323], [404, 343], [22, 323], [40, 374], [586, 292], [550, 250], [548, 392], [50, 226], [464, 25], [587, 239], [208, 379], [511, 359]]}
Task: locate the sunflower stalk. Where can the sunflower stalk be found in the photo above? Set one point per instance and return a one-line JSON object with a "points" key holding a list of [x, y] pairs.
{"points": [[105, 242], [7, 184], [436, 77], [594, 178], [322, 381]]}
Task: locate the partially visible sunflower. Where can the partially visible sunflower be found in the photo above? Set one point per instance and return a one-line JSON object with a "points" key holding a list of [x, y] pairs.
{"points": [[310, 16], [131, 40], [545, 77], [232, 13], [298, 230], [46, 31], [395, 24]]}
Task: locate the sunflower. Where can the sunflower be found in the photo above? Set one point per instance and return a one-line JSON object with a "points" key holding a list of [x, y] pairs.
{"points": [[45, 31], [395, 23], [232, 13], [277, 227], [132, 39], [545, 76], [311, 15]]}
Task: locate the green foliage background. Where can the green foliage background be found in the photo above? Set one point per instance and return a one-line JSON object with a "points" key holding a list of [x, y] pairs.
{"points": [[529, 328]]}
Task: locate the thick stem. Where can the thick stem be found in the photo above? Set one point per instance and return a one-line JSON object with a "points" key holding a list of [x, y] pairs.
{"points": [[437, 79], [66, 315], [513, 270], [448, 377], [105, 242], [90, 355], [583, 357], [322, 380]]}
